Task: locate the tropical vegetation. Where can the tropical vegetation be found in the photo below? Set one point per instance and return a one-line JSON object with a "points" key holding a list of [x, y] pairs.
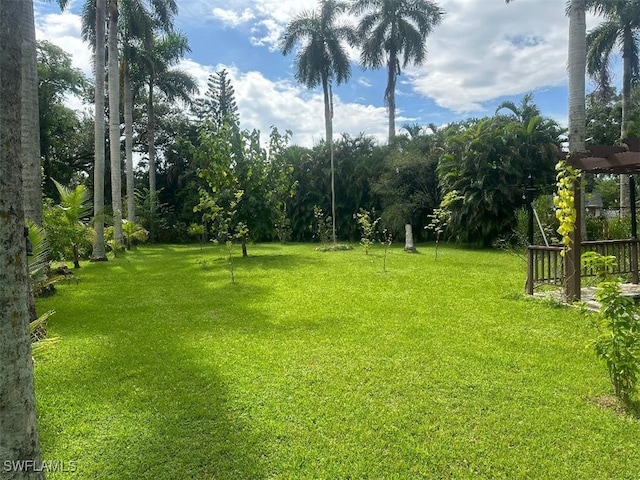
{"points": [[296, 409]]}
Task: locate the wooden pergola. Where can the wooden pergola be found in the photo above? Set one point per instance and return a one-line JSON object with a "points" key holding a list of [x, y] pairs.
{"points": [[598, 159]]}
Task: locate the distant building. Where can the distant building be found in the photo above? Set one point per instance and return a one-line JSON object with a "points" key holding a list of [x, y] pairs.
{"points": [[594, 205]]}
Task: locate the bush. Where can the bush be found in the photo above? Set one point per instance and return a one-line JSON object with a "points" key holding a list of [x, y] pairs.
{"points": [[617, 340], [602, 228], [546, 213]]}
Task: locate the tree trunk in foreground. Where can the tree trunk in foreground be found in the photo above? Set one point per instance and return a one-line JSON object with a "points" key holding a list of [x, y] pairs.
{"points": [[31, 164], [18, 427]]}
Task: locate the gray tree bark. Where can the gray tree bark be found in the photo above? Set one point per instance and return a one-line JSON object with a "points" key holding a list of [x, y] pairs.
{"points": [[114, 122], [128, 144], [98, 173], [31, 162], [577, 64], [18, 427], [408, 236]]}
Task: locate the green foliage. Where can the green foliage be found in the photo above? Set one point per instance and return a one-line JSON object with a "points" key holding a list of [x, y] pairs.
{"points": [[618, 328], [358, 163], [609, 189], [488, 161], [367, 222], [565, 202], [133, 233], [602, 228], [66, 139], [408, 185], [323, 226], [66, 224], [280, 183], [196, 230], [442, 216], [543, 205]]}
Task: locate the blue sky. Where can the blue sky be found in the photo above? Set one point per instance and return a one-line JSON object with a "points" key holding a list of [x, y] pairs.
{"points": [[483, 53]]}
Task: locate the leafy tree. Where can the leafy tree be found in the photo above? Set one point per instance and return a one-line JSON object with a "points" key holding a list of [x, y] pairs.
{"points": [[408, 186], [65, 143], [393, 34], [358, 163], [322, 59], [487, 164]]}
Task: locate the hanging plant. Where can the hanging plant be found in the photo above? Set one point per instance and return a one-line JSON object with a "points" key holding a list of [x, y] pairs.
{"points": [[564, 201]]}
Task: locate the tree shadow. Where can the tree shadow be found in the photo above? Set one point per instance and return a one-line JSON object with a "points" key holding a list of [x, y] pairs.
{"points": [[141, 403]]}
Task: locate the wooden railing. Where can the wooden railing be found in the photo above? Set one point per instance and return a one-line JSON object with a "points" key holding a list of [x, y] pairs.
{"points": [[545, 265]]}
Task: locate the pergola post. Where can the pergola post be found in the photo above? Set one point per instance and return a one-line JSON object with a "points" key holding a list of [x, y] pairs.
{"points": [[572, 260], [529, 199], [634, 231]]}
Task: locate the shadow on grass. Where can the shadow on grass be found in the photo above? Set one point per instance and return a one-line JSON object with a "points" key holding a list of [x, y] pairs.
{"points": [[624, 408], [135, 373], [151, 405]]}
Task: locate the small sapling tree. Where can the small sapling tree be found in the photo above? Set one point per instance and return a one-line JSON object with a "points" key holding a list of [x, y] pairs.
{"points": [[441, 216], [323, 226], [367, 225], [386, 241]]}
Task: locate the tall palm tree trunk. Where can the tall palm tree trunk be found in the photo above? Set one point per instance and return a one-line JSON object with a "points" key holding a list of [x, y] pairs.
{"points": [[328, 124], [390, 94], [114, 122], [577, 125], [31, 169], [151, 125], [18, 426], [128, 143], [625, 192], [98, 172], [576, 72]]}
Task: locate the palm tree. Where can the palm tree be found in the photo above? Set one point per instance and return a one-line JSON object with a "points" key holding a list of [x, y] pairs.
{"points": [[138, 21], [136, 24], [114, 121], [75, 203], [31, 163], [391, 31], [322, 59], [577, 117], [17, 415], [93, 31], [159, 57], [620, 28]]}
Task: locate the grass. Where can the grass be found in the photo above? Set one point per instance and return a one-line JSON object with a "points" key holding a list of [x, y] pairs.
{"points": [[318, 365]]}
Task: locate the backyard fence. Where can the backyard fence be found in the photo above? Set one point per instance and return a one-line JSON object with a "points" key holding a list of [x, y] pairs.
{"points": [[545, 264]]}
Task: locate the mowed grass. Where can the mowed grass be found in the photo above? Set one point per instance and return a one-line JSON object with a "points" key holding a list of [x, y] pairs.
{"points": [[319, 365]]}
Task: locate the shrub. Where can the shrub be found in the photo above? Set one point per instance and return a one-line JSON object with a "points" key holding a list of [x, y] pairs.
{"points": [[617, 340]]}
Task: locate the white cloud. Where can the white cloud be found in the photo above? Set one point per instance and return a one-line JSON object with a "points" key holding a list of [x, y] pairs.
{"points": [[263, 103], [233, 18], [64, 30]]}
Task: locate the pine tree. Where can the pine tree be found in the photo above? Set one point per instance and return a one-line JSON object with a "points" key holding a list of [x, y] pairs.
{"points": [[219, 104]]}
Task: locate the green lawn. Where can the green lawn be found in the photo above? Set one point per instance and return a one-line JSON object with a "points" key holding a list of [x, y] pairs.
{"points": [[318, 365]]}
